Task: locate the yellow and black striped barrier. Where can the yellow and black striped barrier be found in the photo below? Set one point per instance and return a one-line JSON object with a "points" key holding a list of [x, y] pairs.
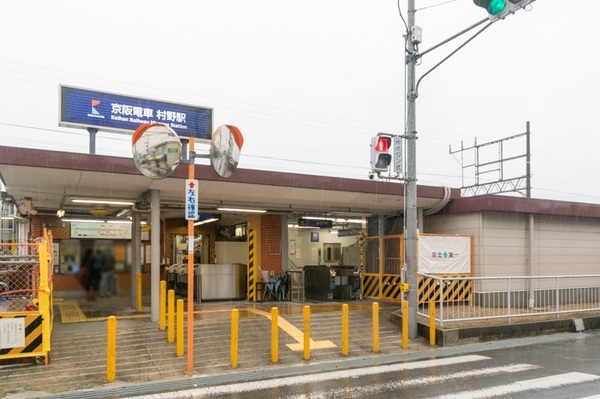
{"points": [[22, 335], [370, 284], [454, 290], [252, 266], [391, 287]]}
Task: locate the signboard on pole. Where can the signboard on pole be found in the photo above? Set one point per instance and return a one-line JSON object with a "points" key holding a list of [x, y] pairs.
{"points": [[398, 158], [123, 114], [191, 199]]}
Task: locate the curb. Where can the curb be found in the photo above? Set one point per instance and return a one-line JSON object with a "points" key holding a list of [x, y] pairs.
{"points": [[486, 333]]}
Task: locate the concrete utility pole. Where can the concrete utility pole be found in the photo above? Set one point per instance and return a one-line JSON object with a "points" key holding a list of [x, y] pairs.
{"points": [[497, 10], [410, 236]]}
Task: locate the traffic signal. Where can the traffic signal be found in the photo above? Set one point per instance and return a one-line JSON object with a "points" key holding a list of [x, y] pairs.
{"points": [[381, 152], [498, 9]]}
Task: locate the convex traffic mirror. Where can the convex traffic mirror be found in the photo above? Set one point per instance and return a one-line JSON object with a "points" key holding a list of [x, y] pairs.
{"points": [[156, 150], [225, 148]]}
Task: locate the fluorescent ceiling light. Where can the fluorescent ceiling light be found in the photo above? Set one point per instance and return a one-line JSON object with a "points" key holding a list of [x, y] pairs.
{"points": [[99, 201], [295, 226], [122, 212], [83, 220], [100, 221], [241, 210], [336, 220], [206, 221], [142, 222]]}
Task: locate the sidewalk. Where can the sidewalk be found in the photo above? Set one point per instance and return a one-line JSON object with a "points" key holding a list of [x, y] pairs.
{"points": [[78, 353]]}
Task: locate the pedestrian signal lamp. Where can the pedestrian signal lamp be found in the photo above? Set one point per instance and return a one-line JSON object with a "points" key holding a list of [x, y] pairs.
{"points": [[381, 156], [498, 9]]}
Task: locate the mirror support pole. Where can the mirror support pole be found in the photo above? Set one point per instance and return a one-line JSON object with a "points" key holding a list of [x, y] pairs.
{"points": [[92, 131]]}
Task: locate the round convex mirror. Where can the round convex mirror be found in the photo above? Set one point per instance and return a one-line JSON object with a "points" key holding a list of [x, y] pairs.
{"points": [[156, 150], [225, 148]]}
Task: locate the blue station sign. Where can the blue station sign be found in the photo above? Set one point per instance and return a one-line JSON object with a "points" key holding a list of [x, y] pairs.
{"points": [[123, 114]]}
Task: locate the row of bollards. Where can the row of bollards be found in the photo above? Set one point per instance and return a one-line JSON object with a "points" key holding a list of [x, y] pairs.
{"points": [[167, 321], [167, 315], [306, 333]]}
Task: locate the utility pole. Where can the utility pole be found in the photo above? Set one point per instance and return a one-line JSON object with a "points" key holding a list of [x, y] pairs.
{"points": [[410, 236], [497, 10]]}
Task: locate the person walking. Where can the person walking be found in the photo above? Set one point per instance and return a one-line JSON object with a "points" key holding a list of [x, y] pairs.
{"points": [[107, 266]]}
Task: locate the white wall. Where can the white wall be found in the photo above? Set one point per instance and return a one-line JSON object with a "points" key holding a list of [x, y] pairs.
{"points": [[568, 245], [562, 245], [231, 252]]}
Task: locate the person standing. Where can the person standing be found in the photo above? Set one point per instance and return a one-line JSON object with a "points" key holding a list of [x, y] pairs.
{"points": [[90, 278], [107, 266]]}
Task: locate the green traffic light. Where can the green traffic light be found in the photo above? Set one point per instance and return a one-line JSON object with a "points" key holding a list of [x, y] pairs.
{"points": [[495, 7]]}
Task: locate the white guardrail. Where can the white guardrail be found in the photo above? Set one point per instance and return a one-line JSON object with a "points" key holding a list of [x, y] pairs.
{"points": [[477, 298]]}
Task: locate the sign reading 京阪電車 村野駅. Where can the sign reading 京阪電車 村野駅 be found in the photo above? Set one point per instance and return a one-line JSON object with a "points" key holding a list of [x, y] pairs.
{"points": [[123, 114]]}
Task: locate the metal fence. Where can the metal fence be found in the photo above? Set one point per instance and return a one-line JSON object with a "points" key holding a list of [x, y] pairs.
{"points": [[479, 298], [26, 299], [297, 286]]}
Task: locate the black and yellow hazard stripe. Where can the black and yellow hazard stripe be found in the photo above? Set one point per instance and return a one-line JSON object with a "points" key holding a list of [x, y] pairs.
{"points": [[370, 284], [454, 290], [252, 266], [390, 287], [33, 336]]}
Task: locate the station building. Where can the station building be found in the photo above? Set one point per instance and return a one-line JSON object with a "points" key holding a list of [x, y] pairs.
{"points": [[508, 235]]}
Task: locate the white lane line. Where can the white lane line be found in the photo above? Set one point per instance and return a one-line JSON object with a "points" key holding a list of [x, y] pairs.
{"points": [[312, 378], [370, 390], [538, 384]]}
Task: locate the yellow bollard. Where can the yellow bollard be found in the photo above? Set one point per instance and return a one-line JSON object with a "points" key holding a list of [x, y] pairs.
{"points": [[345, 326], [234, 337], [432, 323], [404, 324], [375, 327], [171, 316], [180, 327], [274, 335], [111, 349], [139, 292], [306, 332], [162, 308]]}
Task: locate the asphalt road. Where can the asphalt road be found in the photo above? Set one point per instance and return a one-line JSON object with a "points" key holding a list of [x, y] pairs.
{"points": [[559, 366]]}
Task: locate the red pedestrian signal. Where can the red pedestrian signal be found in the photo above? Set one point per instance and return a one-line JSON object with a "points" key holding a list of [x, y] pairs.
{"points": [[381, 156]]}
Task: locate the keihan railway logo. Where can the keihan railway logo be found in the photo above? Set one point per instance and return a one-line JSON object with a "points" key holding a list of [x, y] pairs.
{"points": [[95, 113]]}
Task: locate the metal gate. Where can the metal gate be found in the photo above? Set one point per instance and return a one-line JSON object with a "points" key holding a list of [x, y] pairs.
{"points": [[382, 266], [26, 299], [383, 262]]}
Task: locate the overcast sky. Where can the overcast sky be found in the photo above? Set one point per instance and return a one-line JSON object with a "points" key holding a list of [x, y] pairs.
{"points": [[309, 82]]}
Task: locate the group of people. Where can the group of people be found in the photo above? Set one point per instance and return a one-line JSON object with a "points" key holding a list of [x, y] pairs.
{"points": [[98, 273], [279, 287]]}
